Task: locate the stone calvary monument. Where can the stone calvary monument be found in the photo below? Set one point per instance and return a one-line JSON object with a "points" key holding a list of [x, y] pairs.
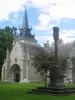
{"points": [[56, 85], [56, 78]]}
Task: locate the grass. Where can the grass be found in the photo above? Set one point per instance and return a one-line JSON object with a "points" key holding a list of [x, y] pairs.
{"points": [[16, 91]]}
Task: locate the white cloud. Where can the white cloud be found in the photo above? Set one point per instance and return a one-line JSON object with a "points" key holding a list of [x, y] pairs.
{"points": [[43, 39], [8, 6], [42, 3], [56, 10], [50, 10], [44, 20], [15, 15], [65, 35], [43, 27]]}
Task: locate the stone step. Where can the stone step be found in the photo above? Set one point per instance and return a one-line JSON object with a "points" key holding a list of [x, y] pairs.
{"points": [[56, 88], [58, 91], [32, 92], [42, 93], [53, 90], [47, 91], [50, 88], [40, 90]]}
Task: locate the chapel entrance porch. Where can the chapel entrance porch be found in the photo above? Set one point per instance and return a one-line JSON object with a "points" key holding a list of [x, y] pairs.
{"points": [[15, 73]]}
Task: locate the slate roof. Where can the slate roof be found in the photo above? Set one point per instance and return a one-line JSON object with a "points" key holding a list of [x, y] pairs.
{"points": [[24, 37]]}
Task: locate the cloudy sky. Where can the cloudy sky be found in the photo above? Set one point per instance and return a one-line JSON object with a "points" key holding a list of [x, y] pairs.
{"points": [[42, 15]]}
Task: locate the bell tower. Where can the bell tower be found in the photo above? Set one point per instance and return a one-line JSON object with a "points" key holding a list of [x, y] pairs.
{"points": [[25, 30]]}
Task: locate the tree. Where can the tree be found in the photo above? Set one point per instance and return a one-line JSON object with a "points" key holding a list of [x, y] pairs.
{"points": [[9, 37], [46, 44], [6, 40], [74, 42], [60, 41], [43, 60], [2, 48]]}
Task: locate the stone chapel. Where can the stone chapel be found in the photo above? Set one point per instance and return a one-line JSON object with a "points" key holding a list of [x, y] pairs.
{"points": [[18, 65]]}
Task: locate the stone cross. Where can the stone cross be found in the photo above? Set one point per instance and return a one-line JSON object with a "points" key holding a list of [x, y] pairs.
{"points": [[56, 38]]}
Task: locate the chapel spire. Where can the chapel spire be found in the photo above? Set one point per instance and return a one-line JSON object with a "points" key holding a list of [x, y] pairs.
{"points": [[25, 24], [25, 30]]}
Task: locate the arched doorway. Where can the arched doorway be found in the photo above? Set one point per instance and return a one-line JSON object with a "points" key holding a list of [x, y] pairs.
{"points": [[15, 73]]}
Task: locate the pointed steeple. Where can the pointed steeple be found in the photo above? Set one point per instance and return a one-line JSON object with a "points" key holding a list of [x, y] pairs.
{"points": [[25, 24], [25, 30]]}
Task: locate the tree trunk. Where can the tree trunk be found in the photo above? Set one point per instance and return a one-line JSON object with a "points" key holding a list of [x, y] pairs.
{"points": [[0, 72], [45, 79]]}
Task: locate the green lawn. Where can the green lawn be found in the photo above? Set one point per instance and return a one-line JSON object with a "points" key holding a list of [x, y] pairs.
{"points": [[15, 91]]}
